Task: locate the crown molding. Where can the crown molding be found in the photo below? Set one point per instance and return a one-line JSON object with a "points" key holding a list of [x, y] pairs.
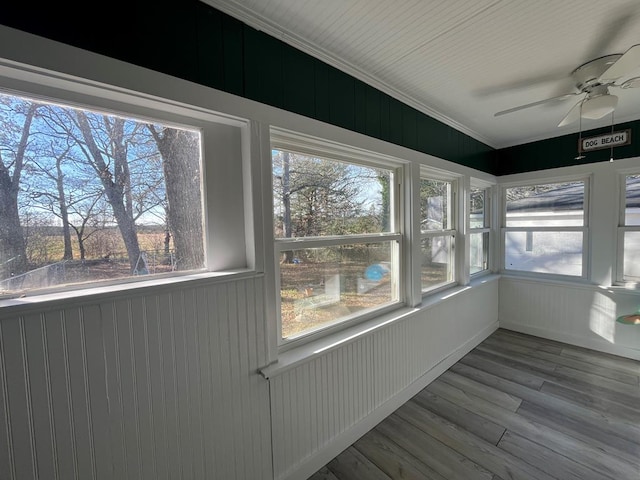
{"points": [[254, 20]]}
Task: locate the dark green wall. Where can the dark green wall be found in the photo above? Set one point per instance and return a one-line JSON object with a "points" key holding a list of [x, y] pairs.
{"points": [[191, 40], [561, 151]]}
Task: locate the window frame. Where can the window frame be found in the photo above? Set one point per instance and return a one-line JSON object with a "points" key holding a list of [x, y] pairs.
{"points": [[622, 228], [455, 181], [287, 140], [584, 228], [75, 92], [487, 188]]}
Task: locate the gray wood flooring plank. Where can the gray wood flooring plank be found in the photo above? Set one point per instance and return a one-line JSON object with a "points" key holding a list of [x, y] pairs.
{"points": [[545, 459], [613, 445], [568, 378], [604, 359], [396, 462], [608, 378], [443, 459], [593, 402], [323, 474], [490, 394], [564, 444], [597, 420], [470, 421], [517, 407], [501, 370], [567, 361], [528, 341], [494, 459], [353, 465], [538, 364], [632, 391]]}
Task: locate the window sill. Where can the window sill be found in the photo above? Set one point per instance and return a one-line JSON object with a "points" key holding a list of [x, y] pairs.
{"points": [[70, 297], [578, 283], [304, 353]]}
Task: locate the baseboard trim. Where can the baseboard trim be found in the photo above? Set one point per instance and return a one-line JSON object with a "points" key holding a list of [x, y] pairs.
{"points": [[320, 458]]}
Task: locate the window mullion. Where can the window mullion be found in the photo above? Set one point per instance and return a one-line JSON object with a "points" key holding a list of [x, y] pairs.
{"points": [[321, 242]]}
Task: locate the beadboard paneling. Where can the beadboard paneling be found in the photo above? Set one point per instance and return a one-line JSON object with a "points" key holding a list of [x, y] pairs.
{"points": [[319, 404], [159, 385], [583, 315]]}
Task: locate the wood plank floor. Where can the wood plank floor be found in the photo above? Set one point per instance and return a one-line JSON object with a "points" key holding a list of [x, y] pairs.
{"points": [[516, 407]]}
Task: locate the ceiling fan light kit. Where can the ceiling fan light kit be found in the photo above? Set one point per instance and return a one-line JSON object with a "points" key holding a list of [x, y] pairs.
{"points": [[593, 80]]}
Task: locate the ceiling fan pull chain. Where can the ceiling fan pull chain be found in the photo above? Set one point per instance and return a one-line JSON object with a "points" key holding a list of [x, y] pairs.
{"points": [[611, 156], [580, 156]]}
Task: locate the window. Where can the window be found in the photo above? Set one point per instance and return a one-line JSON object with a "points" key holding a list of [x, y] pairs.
{"points": [[629, 230], [93, 196], [479, 211], [545, 228], [437, 232], [336, 235]]}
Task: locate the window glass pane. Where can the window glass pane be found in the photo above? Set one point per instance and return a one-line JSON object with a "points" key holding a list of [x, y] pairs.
{"points": [[547, 205], [437, 261], [632, 207], [547, 252], [98, 196], [477, 208], [315, 197], [324, 285], [631, 269], [478, 243], [435, 205]]}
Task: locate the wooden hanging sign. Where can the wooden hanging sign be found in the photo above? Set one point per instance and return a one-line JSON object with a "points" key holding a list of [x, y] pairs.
{"points": [[609, 140]]}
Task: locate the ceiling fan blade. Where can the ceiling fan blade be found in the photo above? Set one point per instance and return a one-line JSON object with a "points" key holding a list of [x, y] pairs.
{"points": [[617, 23], [534, 104], [627, 63], [524, 83], [572, 116], [631, 83]]}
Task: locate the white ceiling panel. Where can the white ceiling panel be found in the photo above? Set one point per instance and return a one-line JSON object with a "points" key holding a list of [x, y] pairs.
{"points": [[461, 61]]}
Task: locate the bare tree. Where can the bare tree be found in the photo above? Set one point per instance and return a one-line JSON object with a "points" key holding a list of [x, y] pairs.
{"points": [[13, 258], [180, 151], [55, 201], [89, 221], [117, 183]]}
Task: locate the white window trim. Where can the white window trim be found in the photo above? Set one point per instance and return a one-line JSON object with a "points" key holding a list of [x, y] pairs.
{"points": [[488, 223], [584, 229], [53, 87], [622, 228], [284, 139], [456, 232]]}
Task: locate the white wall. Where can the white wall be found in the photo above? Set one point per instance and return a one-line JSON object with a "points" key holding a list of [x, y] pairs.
{"points": [[580, 311], [162, 381], [319, 407], [153, 383], [583, 315]]}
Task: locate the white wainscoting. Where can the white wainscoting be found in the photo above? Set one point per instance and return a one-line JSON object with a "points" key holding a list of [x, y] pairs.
{"points": [[583, 315], [322, 406], [160, 384], [163, 383]]}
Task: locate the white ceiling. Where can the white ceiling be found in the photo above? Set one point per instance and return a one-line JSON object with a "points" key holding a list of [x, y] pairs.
{"points": [[461, 61]]}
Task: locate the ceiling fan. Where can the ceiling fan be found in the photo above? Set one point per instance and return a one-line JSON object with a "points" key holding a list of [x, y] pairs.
{"points": [[593, 81]]}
